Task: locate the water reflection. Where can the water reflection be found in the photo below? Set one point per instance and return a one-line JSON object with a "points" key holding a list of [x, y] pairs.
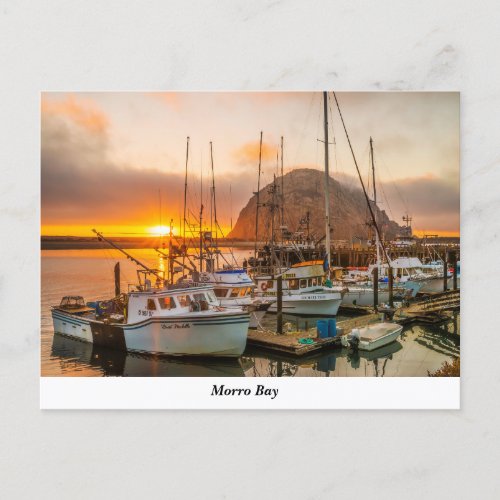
{"points": [[420, 349], [80, 358]]}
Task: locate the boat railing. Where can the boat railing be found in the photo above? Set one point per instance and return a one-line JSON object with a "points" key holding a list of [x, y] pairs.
{"points": [[168, 286]]}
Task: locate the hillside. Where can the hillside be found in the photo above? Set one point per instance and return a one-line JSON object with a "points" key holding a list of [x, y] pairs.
{"points": [[304, 192]]}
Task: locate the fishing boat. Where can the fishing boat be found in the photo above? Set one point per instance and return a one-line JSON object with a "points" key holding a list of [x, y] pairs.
{"points": [[372, 337], [232, 286], [234, 290], [161, 319], [304, 292]]}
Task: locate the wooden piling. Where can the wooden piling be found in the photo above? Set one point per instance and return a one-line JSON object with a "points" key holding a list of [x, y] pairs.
{"points": [[117, 279], [279, 304], [445, 272], [453, 262], [375, 287], [391, 286]]}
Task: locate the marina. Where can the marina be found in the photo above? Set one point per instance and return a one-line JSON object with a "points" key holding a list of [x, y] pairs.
{"points": [[427, 345], [201, 294]]}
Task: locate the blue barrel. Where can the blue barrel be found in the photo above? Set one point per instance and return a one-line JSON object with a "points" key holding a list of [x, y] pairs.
{"points": [[322, 328], [332, 327]]}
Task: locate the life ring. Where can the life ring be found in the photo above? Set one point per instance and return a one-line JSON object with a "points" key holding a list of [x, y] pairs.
{"points": [[263, 286]]}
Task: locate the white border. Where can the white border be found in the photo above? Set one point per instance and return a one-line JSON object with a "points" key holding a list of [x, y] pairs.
{"points": [[397, 393]]}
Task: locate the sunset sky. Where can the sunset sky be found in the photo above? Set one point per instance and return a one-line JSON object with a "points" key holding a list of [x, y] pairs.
{"points": [[106, 157]]}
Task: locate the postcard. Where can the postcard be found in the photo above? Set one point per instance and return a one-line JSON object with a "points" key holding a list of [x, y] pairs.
{"points": [[253, 250]]}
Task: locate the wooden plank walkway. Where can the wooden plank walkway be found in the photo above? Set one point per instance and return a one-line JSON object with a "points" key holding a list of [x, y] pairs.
{"points": [[433, 309], [289, 342]]}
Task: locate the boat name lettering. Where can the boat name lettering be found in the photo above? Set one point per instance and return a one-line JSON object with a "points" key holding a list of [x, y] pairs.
{"points": [[260, 390], [175, 325], [140, 312], [289, 275]]}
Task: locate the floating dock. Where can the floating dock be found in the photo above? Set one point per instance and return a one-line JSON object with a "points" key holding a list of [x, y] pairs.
{"points": [[433, 309]]}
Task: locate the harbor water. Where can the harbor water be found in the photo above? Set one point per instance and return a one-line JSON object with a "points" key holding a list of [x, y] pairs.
{"points": [[421, 348]]}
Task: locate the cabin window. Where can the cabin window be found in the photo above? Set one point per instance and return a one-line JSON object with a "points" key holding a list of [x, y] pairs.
{"points": [[235, 292], [151, 305], [270, 284], [303, 283], [314, 282], [211, 297], [166, 303], [310, 282], [243, 291], [199, 297], [184, 300], [293, 284], [220, 292]]}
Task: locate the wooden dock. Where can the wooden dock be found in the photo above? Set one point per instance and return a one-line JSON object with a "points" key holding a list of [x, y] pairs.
{"points": [[433, 309], [288, 342]]}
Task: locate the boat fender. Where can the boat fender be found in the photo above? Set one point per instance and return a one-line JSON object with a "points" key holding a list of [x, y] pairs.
{"points": [[263, 286]]}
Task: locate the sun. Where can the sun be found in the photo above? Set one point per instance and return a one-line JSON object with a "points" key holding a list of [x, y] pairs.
{"points": [[159, 230]]}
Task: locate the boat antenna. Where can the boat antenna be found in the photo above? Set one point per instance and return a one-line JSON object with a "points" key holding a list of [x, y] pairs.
{"points": [[377, 242], [258, 194], [362, 183], [327, 183], [100, 237]]}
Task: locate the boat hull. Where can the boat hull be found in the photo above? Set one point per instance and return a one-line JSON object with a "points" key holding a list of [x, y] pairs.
{"points": [[374, 336], [205, 335], [309, 304], [363, 298]]}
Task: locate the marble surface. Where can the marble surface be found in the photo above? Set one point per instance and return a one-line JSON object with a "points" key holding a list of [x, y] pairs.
{"points": [[83, 45]]}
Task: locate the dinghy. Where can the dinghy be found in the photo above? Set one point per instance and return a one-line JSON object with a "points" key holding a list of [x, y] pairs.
{"points": [[372, 337]]}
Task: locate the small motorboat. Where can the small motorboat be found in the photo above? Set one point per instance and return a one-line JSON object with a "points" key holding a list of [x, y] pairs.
{"points": [[372, 337]]}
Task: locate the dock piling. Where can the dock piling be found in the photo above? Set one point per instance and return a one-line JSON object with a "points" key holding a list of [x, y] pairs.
{"points": [[279, 318], [453, 262], [375, 287], [391, 287], [445, 272], [117, 279]]}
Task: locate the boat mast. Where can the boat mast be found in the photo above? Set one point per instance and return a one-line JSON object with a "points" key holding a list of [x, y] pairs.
{"points": [[185, 200], [214, 202], [282, 194], [257, 209], [386, 255], [377, 241], [327, 179]]}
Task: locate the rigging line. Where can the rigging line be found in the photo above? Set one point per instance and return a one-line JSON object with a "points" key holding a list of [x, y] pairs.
{"points": [[403, 199], [362, 183], [306, 123]]}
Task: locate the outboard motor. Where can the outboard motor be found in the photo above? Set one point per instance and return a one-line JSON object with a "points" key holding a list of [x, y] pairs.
{"points": [[354, 338]]}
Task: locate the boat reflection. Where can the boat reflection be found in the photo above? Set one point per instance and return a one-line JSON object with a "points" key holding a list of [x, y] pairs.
{"points": [[114, 363]]}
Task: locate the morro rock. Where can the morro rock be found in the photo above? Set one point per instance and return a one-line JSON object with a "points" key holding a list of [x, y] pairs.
{"points": [[304, 193]]}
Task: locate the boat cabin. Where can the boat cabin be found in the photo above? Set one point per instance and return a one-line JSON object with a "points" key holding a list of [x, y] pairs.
{"points": [[161, 303]]}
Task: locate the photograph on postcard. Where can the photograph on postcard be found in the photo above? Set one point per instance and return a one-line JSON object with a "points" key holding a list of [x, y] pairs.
{"points": [[250, 234]]}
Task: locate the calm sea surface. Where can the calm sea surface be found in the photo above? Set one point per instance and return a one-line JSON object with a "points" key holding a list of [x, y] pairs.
{"points": [[90, 273]]}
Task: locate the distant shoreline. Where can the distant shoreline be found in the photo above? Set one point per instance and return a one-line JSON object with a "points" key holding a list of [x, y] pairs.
{"points": [[90, 243]]}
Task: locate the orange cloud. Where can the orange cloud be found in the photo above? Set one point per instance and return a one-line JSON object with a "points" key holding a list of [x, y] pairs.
{"points": [[172, 99], [83, 113], [249, 152]]}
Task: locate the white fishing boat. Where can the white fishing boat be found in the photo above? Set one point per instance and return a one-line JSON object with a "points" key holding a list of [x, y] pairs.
{"points": [[178, 320], [303, 288], [372, 337], [234, 289]]}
